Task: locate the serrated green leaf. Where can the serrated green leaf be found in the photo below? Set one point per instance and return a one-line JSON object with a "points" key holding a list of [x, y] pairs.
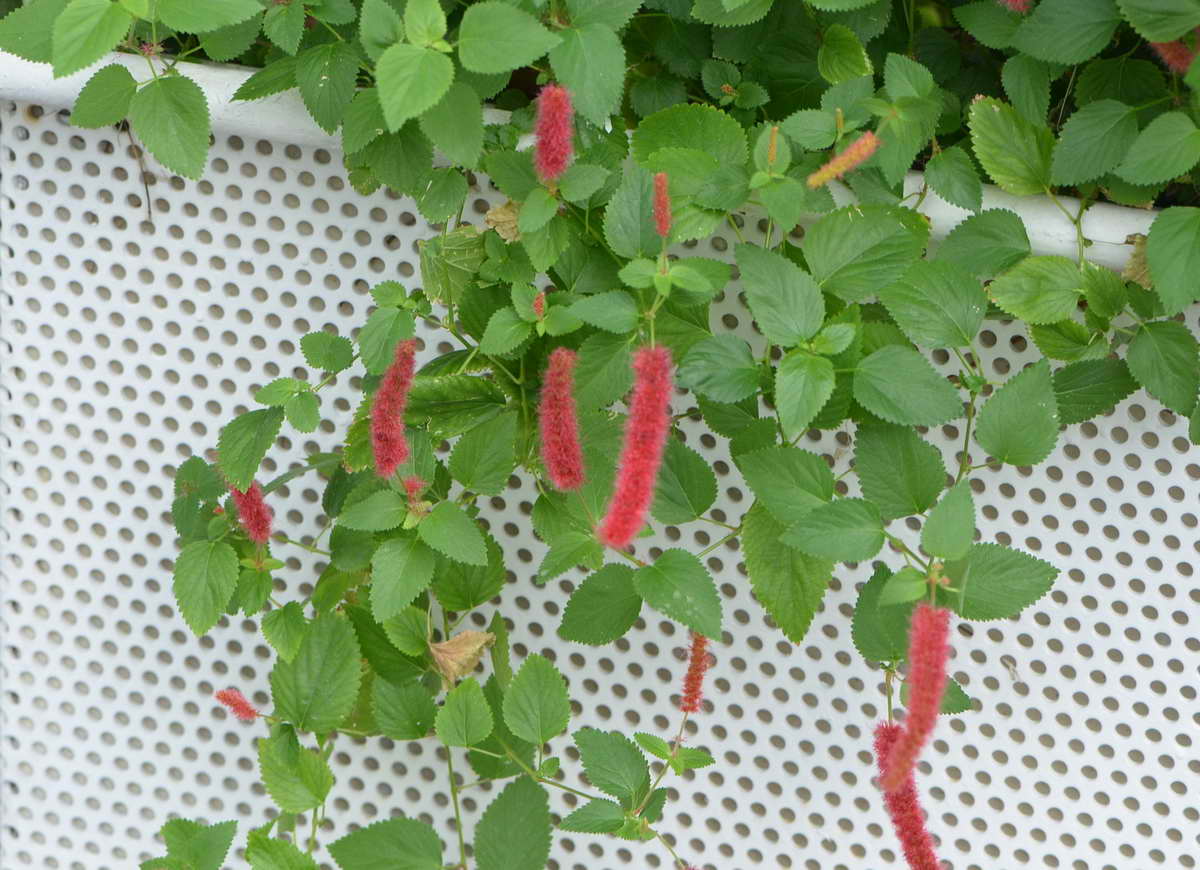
{"points": [[789, 584], [784, 299], [899, 385], [394, 844], [950, 528], [803, 384], [987, 243], [590, 61], [1173, 254], [1161, 20], [629, 218], [303, 411], [953, 177], [990, 23], [845, 530], [495, 37], [191, 17], [170, 116], [317, 689], [898, 470], [451, 532], [193, 846], [407, 630], [906, 585], [505, 332], [704, 128], [378, 512], [284, 628], [855, 250], [401, 569], [465, 718], [243, 443], [678, 585], [995, 582], [455, 125], [206, 574], [613, 764], [411, 81], [603, 608], [484, 457], [611, 13], [686, 486], [424, 21], [1039, 289], [326, 352], [265, 853], [27, 30], [325, 75], [105, 99], [1162, 356], [880, 633], [1167, 148], [787, 481], [379, 27], [720, 368], [514, 832], [84, 32], [1094, 140], [937, 304], [536, 706], [1014, 152], [715, 12], [403, 712], [1027, 83], [275, 77], [377, 340], [841, 55], [462, 587], [1084, 389], [1019, 423], [1067, 31], [597, 816], [297, 779], [614, 311]]}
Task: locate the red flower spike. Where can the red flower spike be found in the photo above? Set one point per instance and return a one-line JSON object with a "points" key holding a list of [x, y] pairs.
{"points": [[693, 681], [928, 650], [645, 438], [237, 704], [253, 513], [1018, 6], [387, 412], [904, 807], [561, 451], [662, 205], [539, 306], [1175, 55], [858, 153], [555, 129], [413, 487]]}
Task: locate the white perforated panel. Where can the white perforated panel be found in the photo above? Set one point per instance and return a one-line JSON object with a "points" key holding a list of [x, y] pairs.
{"points": [[129, 341]]}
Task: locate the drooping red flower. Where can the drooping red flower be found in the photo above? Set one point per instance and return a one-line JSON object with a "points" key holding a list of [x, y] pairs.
{"points": [[1018, 6], [253, 513], [413, 487], [928, 650], [237, 704], [859, 151], [555, 129], [561, 450], [662, 205], [1175, 55], [387, 412], [904, 806], [693, 681], [641, 454]]}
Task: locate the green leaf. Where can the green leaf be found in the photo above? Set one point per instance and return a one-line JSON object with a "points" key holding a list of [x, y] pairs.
{"points": [[845, 530], [537, 210], [1014, 152], [284, 26], [316, 690], [898, 470], [1067, 31], [411, 81], [85, 31], [841, 55], [451, 532], [326, 75], [1086, 389], [407, 631], [191, 17], [686, 486], [484, 457], [275, 77], [613, 764], [950, 528], [495, 37], [105, 98], [996, 582], [170, 116], [326, 352], [206, 573], [899, 385], [1161, 20], [424, 21], [1039, 289], [1167, 148], [505, 332], [401, 569], [455, 125], [379, 27], [597, 816], [1173, 254], [603, 608], [1163, 358], [536, 706], [194, 846], [953, 177], [803, 384], [514, 832], [614, 311], [937, 304], [812, 129], [265, 853], [611, 13], [449, 262], [990, 23], [581, 181], [720, 368], [1027, 83], [678, 585], [297, 779], [1094, 140], [880, 633], [378, 512], [377, 340], [855, 250], [1019, 423], [403, 712], [787, 481], [284, 628], [719, 13], [461, 587], [704, 128], [987, 243], [27, 31], [629, 217], [785, 301], [465, 718], [394, 844], [789, 584], [590, 61], [303, 411]]}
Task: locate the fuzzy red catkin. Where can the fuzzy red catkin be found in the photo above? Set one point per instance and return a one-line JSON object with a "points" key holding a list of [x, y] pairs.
{"points": [[253, 513], [693, 681], [388, 441], [1175, 55], [561, 451], [645, 437], [237, 704], [904, 806], [662, 205], [413, 487], [928, 650], [555, 130], [856, 154], [1019, 6]]}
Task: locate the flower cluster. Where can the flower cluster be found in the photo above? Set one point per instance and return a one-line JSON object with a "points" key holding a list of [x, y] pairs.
{"points": [[555, 130], [253, 513], [858, 153], [387, 413], [561, 451]]}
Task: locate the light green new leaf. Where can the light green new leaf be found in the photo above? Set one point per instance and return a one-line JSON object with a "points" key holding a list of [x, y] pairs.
{"points": [[317, 689], [326, 75], [841, 55], [937, 304], [703, 128], [950, 528], [243, 443], [590, 61], [28, 30], [267, 853], [514, 832], [603, 608], [284, 628], [996, 582], [597, 816], [170, 116], [1168, 147], [788, 583], [1067, 31], [1094, 140], [855, 250], [785, 301], [401, 569], [989, 22], [284, 26], [898, 470], [787, 481], [1040, 289], [899, 385], [379, 27], [194, 846], [614, 14], [377, 340], [105, 99], [845, 530], [455, 125], [451, 532], [1019, 423], [953, 177], [424, 21], [206, 574], [686, 486], [495, 37], [378, 512], [297, 779], [404, 712], [614, 311], [678, 585], [465, 718], [394, 844], [1162, 356], [191, 17], [326, 352], [411, 81], [1014, 152], [803, 384], [504, 333], [85, 31], [536, 706], [1173, 253], [613, 764]]}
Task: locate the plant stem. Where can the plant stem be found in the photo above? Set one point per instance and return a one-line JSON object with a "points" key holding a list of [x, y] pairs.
{"points": [[458, 823], [964, 461]]}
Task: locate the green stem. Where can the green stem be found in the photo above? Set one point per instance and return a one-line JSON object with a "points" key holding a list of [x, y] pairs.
{"points": [[964, 461], [458, 823], [303, 546]]}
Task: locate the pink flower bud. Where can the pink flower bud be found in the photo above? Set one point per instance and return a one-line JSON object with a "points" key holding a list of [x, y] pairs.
{"points": [[253, 513], [904, 806], [645, 438], [858, 153], [561, 451], [1018, 6], [1175, 55], [539, 306], [387, 411], [413, 487], [237, 704], [662, 205], [555, 129], [693, 681]]}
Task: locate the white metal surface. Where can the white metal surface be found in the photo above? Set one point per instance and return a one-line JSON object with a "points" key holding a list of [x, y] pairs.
{"points": [[126, 342]]}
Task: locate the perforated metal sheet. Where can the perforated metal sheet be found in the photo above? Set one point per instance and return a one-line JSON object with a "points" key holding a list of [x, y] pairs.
{"points": [[127, 342]]}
